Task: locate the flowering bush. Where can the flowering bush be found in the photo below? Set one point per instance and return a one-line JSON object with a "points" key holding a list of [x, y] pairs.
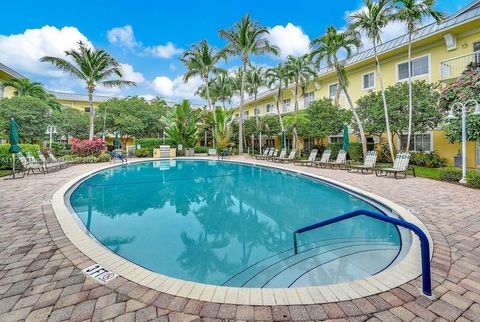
{"points": [[88, 147]]}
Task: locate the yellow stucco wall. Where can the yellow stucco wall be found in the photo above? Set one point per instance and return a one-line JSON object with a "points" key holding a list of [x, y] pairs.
{"points": [[433, 47]]}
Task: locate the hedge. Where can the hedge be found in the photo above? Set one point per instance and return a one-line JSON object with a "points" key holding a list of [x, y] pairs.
{"points": [[455, 174], [6, 157], [144, 153], [201, 149], [429, 160], [152, 143], [355, 151]]}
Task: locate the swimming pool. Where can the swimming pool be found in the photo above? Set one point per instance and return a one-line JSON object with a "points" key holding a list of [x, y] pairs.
{"points": [[231, 224]]}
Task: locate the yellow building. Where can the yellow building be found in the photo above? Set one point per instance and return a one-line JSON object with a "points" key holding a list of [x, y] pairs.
{"points": [[440, 53]]}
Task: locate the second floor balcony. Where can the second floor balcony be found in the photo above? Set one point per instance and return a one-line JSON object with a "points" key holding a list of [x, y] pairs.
{"points": [[452, 68]]}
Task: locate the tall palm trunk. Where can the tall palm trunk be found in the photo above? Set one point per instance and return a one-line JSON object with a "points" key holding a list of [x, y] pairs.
{"points": [[209, 102], [359, 123], [280, 116], [240, 120], [410, 96], [92, 113], [385, 108], [296, 96]]}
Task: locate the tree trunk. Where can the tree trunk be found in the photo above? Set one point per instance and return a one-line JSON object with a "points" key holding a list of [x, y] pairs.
{"points": [[210, 108], [359, 123], [410, 98], [280, 115], [296, 96], [240, 119], [92, 114], [385, 108], [337, 93]]}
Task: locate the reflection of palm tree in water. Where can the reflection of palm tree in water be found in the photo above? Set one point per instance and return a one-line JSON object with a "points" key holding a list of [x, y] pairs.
{"points": [[114, 243], [199, 257]]}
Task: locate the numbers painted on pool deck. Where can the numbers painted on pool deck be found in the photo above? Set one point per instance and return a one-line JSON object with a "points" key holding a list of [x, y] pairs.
{"points": [[99, 273]]}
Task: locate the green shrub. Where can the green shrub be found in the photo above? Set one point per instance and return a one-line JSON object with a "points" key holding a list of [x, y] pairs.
{"points": [[153, 143], [62, 152], [429, 160], [201, 149], [5, 155], [473, 179], [104, 157], [355, 151], [335, 148], [87, 159], [144, 153], [451, 174]]}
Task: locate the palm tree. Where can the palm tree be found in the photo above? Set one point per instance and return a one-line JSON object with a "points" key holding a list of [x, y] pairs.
{"points": [[93, 66], [223, 131], [277, 77], [245, 39], [224, 88], [25, 87], [294, 121], [181, 124], [326, 48], [255, 79], [412, 13], [300, 71], [201, 60], [371, 21]]}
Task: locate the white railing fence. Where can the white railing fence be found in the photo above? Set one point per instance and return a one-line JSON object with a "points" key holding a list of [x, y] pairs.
{"points": [[453, 67]]}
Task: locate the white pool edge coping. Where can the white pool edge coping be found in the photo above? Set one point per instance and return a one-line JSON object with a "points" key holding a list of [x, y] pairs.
{"points": [[404, 271]]}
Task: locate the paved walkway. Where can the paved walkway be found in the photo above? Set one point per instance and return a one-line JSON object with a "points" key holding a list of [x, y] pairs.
{"points": [[40, 279]]}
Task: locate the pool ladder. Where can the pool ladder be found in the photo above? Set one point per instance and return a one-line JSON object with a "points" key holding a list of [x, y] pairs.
{"points": [[424, 243]]}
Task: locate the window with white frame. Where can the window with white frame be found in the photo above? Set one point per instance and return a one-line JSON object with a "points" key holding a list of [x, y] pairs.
{"points": [[368, 81], [420, 67], [256, 111], [308, 144], [335, 139], [269, 108], [332, 90], [286, 105], [418, 142], [246, 114], [308, 99]]}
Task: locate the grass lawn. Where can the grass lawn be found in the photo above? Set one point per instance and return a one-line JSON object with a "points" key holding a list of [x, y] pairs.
{"points": [[5, 172], [431, 173]]}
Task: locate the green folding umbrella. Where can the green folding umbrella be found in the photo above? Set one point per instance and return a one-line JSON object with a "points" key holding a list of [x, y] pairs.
{"points": [[346, 140], [116, 142], [14, 141]]}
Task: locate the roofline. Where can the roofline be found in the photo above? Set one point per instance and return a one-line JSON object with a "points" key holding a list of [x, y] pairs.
{"points": [[416, 37], [10, 71]]}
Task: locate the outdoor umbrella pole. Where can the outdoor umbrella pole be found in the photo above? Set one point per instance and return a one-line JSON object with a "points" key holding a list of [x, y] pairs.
{"points": [[13, 165]]}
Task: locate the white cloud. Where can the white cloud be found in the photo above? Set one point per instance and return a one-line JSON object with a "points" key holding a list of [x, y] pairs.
{"points": [[131, 75], [123, 36], [148, 97], [23, 51], [290, 39], [176, 88], [164, 51]]}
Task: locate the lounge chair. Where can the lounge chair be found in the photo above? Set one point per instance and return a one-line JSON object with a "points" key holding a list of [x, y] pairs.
{"points": [[271, 153], [400, 166], [368, 165], [265, 153], [118, 155], [61, 163], [339, 162], [47, 166], [290, 158], [324, 159], [28, 165], [283, 154], [309, 161]]}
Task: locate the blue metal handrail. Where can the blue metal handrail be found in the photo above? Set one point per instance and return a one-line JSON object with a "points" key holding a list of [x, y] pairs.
{"points": [[424, 243]]}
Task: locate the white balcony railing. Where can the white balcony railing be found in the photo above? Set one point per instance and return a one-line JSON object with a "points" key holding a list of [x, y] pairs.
{"points": [[453, 67]]}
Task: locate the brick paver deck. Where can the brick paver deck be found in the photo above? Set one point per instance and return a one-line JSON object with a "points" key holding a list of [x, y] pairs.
{"points": [[40, 279]]}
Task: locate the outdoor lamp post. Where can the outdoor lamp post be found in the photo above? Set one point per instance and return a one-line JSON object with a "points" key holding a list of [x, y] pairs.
{"points": [[51, 129], [464, 108]]}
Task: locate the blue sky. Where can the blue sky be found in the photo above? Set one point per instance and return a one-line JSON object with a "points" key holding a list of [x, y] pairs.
{"points": [[147, 37]]}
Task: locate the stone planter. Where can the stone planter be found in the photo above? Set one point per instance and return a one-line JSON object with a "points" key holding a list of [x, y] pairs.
{"points": [[189, 152]]}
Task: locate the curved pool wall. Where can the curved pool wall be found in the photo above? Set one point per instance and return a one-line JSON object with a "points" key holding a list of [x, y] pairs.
{"points": [[404, 267]]}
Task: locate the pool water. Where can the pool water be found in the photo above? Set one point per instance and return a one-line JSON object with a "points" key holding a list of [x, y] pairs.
{"points": [[227, 223]]}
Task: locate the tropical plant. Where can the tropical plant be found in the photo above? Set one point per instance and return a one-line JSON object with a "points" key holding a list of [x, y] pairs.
{"points": [[255, 80], [201, 60], [277, 77], [223, 86], [412, 13], [300, 71], [294, 121], [371, 21], [326, 48], [88, 147], [95, 67], [71, 122], [25, 87], [246, 38], [181, 124], [223, 128]]}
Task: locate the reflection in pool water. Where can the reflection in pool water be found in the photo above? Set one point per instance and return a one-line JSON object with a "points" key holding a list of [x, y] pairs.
{"points": [[230, 223]]}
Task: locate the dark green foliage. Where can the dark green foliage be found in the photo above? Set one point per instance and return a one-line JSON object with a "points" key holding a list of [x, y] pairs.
{"points": [[355, 152], [335, 148], [451, 174], [325, 119], [6, 157], [473, 179], [71, 122], [144, 153], [429, 160], [150, 143], [201, 149]]}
